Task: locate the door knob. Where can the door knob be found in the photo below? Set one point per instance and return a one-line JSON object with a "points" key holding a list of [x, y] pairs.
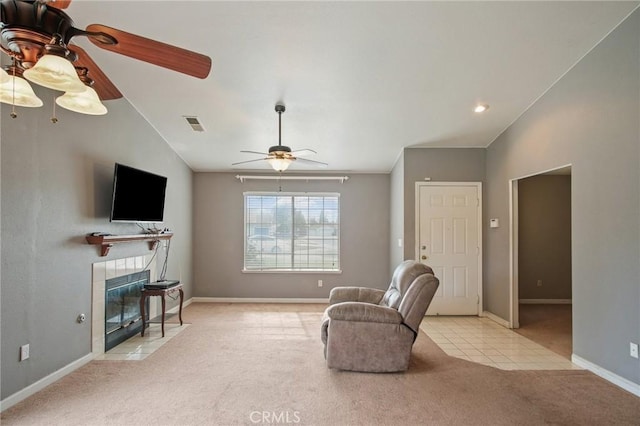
{"points": [[424, 257]]}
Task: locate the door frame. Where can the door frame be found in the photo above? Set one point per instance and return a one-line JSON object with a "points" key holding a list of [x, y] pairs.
{"points": [[514, 311], [478, 186]]}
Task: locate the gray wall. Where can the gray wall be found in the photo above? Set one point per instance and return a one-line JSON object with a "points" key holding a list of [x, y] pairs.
{"points": [[218, 240], [441, 165], [56, 187], [544, 237], [589, 119], [397, 213]]}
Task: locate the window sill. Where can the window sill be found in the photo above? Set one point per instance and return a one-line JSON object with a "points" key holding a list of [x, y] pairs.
{"points": [[288, 271]]}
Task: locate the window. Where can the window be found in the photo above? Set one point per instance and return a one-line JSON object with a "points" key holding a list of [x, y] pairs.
{"points": [[291, 232]]}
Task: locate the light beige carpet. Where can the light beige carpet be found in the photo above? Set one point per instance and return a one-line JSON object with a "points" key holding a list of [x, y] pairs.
{"points": [[247, 364]]}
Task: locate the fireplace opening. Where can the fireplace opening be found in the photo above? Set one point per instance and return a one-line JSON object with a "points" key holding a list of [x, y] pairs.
{"points": [[122, 307]]}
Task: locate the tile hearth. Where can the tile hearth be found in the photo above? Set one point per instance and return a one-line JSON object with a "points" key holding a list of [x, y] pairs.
{"points": [[138, 348]]}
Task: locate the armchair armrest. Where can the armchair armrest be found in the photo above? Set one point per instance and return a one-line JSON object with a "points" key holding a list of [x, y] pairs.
{"points": [[365, 312], [355, 294]]}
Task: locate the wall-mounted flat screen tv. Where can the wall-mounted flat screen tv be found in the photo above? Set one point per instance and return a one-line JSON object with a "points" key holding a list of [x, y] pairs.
{"points": [[138, 196]]}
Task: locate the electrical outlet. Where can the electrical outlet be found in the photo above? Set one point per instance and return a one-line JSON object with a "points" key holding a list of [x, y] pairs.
{"points": [[539, 283], [633, 349], [24, 352], [319, 283]]}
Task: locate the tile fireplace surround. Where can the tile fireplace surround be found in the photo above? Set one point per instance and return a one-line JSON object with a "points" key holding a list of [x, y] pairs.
{"points": [[102, 271]]}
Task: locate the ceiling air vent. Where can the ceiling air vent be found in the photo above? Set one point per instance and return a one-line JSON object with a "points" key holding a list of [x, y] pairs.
{"points": [[194, 123]]}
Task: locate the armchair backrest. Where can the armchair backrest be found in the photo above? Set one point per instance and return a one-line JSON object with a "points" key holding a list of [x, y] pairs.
{"points": [[410, 292], [402, 278], [416, 301]]}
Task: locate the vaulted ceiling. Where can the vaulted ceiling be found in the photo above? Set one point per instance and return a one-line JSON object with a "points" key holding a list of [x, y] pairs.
{"points": [[360, 80]]}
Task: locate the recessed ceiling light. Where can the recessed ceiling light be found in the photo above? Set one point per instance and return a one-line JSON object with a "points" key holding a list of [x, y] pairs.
{"points": [[481, 108]]}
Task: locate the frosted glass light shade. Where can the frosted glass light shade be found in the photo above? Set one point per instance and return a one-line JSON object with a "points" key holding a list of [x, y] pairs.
{"points": [[4, 77], [86, 102], [21, 94], [280, 164], [55, 73]]}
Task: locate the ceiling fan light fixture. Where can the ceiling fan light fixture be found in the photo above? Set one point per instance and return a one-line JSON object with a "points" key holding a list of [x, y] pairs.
{"points": [[481, 108], [55, 72], [280, 164], [17, 91], [4, 77], [279, 156], [36, 35], [85, 102]]}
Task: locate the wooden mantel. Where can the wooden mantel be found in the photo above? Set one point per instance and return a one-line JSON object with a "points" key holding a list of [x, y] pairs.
{"points": [[107, 241]]}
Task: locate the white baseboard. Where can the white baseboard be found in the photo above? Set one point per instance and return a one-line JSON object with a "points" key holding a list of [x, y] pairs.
{"points": [[625, 384], [258, 300], [545, 301], [495, 318], [176, 308], [12, 400]]}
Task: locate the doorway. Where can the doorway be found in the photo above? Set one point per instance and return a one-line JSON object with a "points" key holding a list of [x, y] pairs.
{"points": [[541, 259], [449, 240]]}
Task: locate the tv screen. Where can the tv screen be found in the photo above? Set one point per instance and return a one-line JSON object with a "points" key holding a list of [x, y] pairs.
{"points": [[138, 196]]}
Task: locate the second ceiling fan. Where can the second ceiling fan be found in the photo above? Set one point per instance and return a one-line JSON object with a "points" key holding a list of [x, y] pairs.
{"points": [[280, 156]]}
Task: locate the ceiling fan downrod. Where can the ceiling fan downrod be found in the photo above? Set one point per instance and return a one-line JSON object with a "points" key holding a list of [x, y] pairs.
{"points": [[280, 109], [279, 148]]}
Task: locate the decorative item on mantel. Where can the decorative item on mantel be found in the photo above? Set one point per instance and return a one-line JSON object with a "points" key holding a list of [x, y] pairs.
{"points": [[106, 241]]}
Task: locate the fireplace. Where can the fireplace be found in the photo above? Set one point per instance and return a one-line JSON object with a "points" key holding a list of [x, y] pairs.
{"points": [[122, 307], [105, 271]]}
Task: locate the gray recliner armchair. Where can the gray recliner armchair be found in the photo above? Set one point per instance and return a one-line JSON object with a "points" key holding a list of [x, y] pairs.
{"points": [[366, 329]]}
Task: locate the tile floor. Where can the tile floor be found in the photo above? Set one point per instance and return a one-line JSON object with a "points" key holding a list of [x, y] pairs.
{"points": [[138, 348], [483, 341]]}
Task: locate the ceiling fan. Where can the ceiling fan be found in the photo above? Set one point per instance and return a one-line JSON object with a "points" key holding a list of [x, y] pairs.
{"points": [[279, 156], [35, 29]]}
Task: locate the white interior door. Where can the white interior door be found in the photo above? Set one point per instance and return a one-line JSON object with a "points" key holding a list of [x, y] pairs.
{"points": [[448, 240]]}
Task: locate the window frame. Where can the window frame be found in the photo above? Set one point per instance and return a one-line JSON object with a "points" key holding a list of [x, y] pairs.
{"points": [[292, 195]]}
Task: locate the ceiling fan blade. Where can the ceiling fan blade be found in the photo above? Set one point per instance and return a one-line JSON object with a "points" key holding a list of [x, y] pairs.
{"points": [[151, 51], [303, 152], [254, 152], [59, 4], [317, 163], [105, 89], [249, 161]]}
